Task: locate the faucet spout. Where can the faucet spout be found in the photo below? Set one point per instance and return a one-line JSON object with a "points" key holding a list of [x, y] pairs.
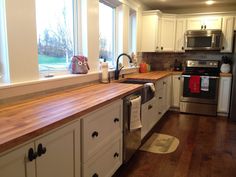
{"points": [[117, 71]]}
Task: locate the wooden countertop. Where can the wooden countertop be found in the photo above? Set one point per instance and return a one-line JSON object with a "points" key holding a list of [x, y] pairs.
{"points": [[23, 121], [150, 76]]}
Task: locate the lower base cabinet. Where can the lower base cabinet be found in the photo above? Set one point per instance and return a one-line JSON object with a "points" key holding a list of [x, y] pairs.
{"points": [[55, 154], [106, 162]]}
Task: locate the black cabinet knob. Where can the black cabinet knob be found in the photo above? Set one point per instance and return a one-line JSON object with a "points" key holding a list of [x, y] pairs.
{"points": [[94, 134], [202, 27], [116, 120], [95, 175], [223, 47], [159, 112], [162, 48], [160, 97], [182, 48], [205, 27], [41, 150], [116, 155], [32, 155], [149, 107], [179, 78]]}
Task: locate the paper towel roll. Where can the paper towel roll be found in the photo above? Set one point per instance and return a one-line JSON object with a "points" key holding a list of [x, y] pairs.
{"points": [[104, 72]]}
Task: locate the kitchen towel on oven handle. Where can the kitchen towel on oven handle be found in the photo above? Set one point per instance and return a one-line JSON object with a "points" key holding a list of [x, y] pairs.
{"points": [[194, 84], [135, 111], [205, 83]]}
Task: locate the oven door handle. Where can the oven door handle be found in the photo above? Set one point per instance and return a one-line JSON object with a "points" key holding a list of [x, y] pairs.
{"points": [[210, 77]]}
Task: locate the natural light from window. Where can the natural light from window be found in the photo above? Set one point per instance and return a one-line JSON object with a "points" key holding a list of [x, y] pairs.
{"points": [[54, 34], [106, 33]]}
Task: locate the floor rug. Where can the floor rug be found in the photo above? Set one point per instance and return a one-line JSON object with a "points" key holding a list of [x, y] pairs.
{"points": [[160, 143]]}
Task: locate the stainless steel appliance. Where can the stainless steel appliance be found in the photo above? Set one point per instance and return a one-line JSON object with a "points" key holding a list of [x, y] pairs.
{"points": [[132, 139], [203, 39], [205, 100]]}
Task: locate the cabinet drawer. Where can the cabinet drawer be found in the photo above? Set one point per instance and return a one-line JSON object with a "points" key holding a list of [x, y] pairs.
{"points": [[106, 162], [159, 102], [99, 128]]}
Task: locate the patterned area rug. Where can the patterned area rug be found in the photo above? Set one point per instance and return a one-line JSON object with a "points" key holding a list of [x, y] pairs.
{"points": [[160, 143]]}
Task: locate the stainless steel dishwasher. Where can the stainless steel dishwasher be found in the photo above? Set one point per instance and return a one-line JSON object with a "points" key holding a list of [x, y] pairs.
{"points": [[132, 139]]}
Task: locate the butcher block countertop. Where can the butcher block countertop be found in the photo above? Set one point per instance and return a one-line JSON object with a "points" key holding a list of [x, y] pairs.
{"points": [[150, 76], [26, 120]]}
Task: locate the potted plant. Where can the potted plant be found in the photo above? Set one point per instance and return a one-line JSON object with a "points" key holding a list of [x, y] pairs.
{"points": [[225, 66]]}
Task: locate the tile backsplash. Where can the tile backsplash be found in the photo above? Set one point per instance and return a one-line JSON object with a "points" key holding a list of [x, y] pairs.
{"points": [[165, 61]]}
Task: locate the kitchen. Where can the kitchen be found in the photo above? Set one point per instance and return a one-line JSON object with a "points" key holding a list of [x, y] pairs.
{"points": [[62, 120]]}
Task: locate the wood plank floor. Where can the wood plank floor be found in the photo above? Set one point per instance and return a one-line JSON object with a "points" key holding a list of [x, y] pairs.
{"points": [[207, 149]]}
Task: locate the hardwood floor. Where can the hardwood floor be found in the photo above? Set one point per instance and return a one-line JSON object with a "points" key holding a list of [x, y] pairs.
{"points": [[207, 149]]}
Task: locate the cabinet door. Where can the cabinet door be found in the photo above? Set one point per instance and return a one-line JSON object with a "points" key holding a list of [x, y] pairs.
{"points": [[194, 23], [212, 22], [228, 33], [16, 163], [167, 42], [176, 90], [224, 95], [179, 38], [62, 157], [149, 33]]}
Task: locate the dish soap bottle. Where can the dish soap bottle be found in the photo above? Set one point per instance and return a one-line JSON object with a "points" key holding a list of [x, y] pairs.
{"points": [[104, 68]]}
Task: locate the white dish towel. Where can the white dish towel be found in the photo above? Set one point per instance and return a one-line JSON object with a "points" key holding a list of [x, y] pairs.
{"points": [[151, 85], [135, 111], [205, 83]]}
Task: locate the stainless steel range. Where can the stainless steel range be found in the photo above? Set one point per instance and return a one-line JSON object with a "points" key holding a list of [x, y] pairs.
{"points": [[199, 87]]}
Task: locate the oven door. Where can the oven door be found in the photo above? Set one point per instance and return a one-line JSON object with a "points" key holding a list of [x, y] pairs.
{"points": [[210, 96]]}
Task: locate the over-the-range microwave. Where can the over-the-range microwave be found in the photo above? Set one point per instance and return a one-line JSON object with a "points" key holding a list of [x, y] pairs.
{"points": [[203, 39]]}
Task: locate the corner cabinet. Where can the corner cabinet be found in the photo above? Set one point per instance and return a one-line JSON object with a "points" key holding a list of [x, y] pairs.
{"points": [[179, 37], [149, 33], [228, 33], [55, 154], [224, 95], [102, 140]]}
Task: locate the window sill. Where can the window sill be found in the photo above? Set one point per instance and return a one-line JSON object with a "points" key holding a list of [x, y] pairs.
{"points": [[44, 84]]}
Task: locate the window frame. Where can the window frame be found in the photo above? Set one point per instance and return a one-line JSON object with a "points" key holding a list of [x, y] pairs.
{"points": [[114, 24], [76, 5]]}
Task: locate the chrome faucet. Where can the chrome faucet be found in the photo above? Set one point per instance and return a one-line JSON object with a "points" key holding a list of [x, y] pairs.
{"points": [[117, 71]]}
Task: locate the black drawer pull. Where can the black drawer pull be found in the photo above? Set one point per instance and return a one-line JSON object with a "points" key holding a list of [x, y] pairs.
{"points": [[162, 48], [149, 107], [94, 134], [182, 48], [179, 78], [159, 112], [205, 27], [160, 97], [41, 150], [116, 120], [32, 155], [116, 155], [95, 175], [202, 27], [223, 48]]}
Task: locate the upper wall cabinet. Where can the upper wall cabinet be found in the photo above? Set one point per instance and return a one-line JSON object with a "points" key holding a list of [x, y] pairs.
{"points": [[149, 35], [179, 35], [201, 23], [228, 33], [167, 34]]}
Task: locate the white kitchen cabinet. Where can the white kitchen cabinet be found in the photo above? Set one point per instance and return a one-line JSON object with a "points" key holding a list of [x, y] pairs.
{"points": [[176, 82], [149, 117], [179, 36], [167, 34], [150, 31], [208, 22], [224, 95], [62, 149], [228, 33], [101, 129], [15, 163]]}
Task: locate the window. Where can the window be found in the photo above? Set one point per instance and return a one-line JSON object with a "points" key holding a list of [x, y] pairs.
{"points": [[54, 34], [106, 33], [132, 31]]}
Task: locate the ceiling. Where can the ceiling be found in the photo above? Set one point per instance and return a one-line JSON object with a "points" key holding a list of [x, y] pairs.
{"points": [[184, 4]]}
